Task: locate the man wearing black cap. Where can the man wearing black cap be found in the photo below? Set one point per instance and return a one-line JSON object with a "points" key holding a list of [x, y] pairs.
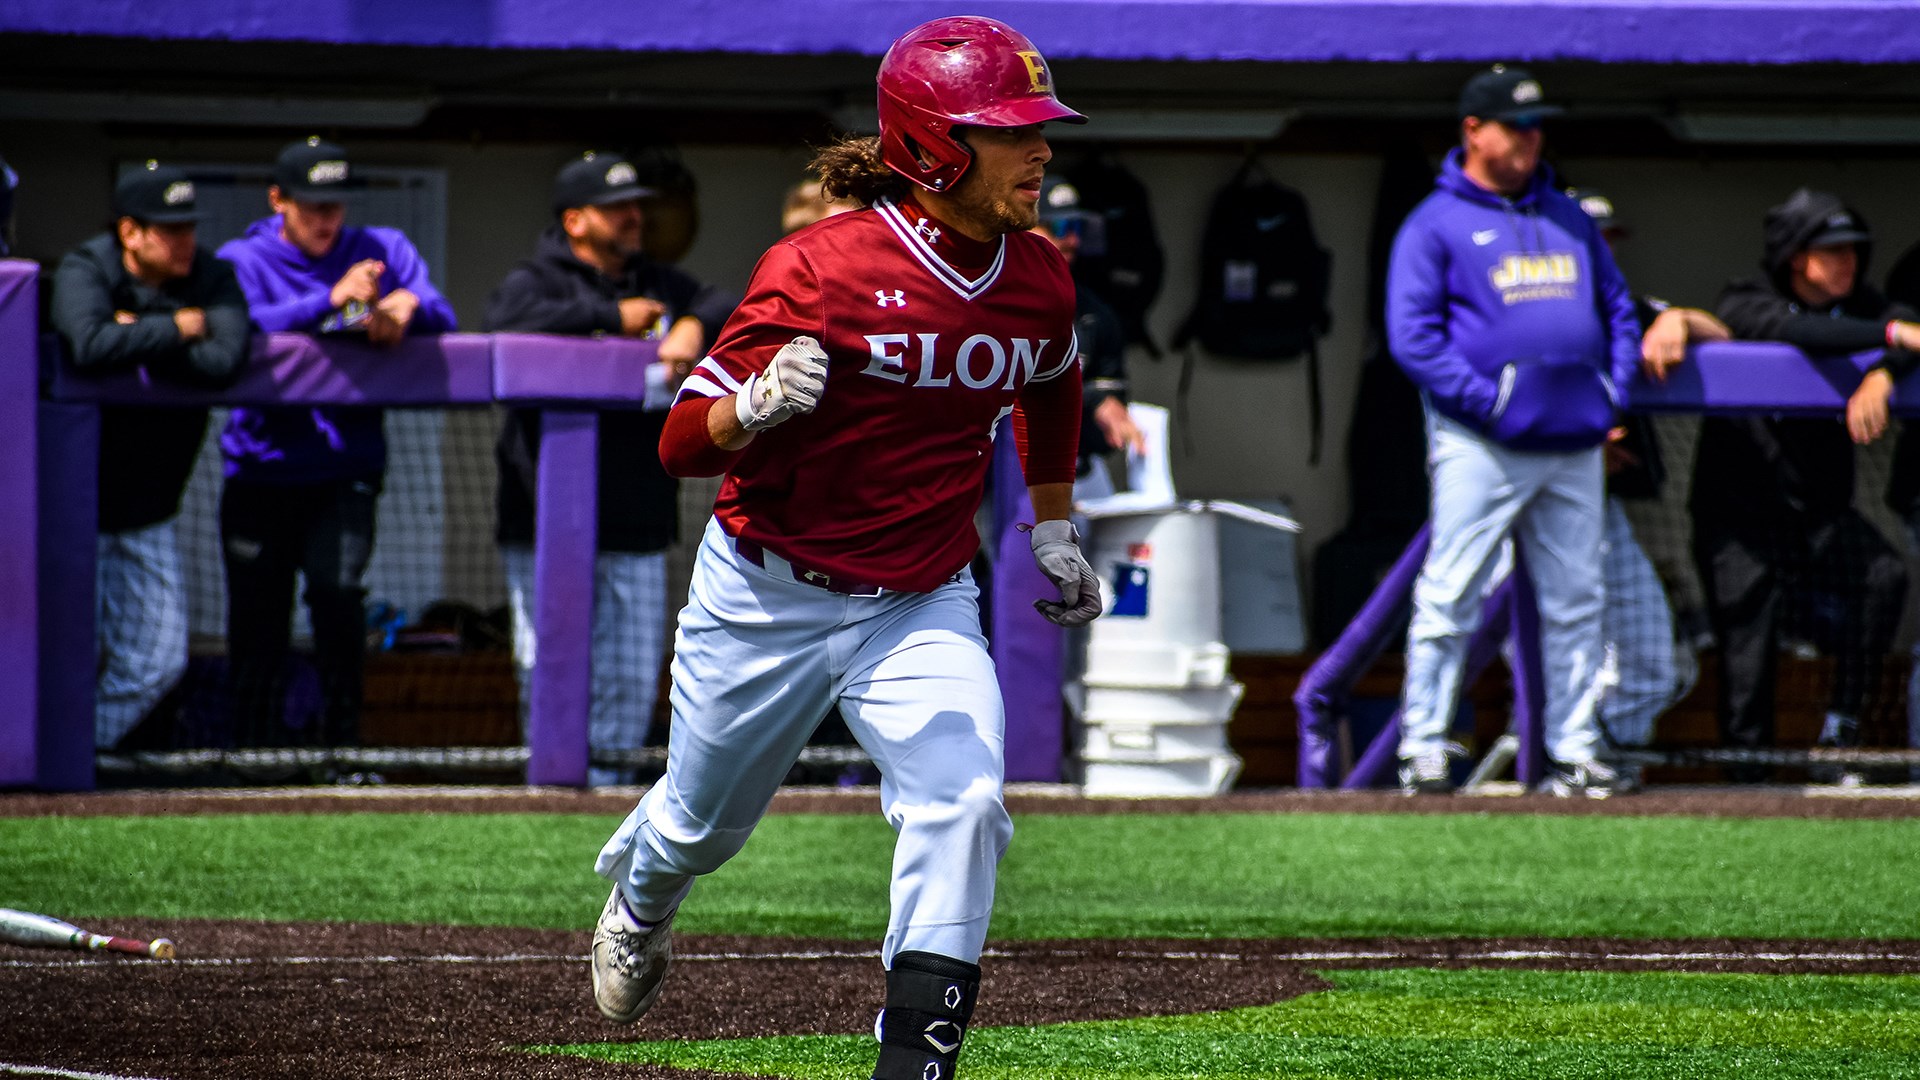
{"points": [[1506, 309], [1773, 496], [589, 277], [302, 483], [145, 296], [1105, 424]]}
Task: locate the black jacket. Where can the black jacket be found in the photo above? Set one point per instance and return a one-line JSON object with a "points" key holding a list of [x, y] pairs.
{"points": [[555, 293], [1103, 367], [1791, 471], [147, 454]]}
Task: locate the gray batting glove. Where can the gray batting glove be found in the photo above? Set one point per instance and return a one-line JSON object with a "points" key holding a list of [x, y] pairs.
{"points": [[791, 386], [1056, 548]]}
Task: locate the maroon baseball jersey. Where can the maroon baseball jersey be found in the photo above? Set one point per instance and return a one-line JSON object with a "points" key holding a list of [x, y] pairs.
{"points": [[931, 338]]}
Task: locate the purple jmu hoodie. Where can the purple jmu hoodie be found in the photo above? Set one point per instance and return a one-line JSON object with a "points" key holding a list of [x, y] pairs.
{"points": [[286, 290], [1510, 314]]}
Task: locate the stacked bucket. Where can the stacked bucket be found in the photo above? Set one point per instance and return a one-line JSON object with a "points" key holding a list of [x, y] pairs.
{"points": [[1156, 694]]}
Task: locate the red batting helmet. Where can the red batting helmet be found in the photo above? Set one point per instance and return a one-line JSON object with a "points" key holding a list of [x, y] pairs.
{"points": [[960, 70]]}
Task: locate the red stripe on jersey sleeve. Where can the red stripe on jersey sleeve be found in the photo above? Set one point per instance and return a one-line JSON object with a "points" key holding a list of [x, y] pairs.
{"points": [[686, 446], [1046, 428]]}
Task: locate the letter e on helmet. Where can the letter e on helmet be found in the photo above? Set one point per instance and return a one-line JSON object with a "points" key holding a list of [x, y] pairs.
{"points": [[964, 70]]}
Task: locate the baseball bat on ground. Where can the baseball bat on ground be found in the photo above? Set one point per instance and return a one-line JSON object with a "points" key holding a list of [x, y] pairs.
{"points": [[42, 931]]}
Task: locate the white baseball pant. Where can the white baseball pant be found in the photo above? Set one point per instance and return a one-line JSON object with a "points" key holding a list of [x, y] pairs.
{"points": [[1552, 502], [759, 659]]}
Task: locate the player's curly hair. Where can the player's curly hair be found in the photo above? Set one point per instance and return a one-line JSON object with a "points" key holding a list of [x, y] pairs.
{"points": [[852, 169]]}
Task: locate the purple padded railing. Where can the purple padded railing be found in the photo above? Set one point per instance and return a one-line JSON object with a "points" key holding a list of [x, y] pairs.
{"points": [[47, 557], [20, 741], [1732, 377]]}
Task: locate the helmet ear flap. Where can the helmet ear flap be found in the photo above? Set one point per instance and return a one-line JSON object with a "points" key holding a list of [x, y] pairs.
{"points": [[930, 161]]}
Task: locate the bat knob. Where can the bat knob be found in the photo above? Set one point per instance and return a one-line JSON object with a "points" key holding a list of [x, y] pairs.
{"points": [[160, 949]]}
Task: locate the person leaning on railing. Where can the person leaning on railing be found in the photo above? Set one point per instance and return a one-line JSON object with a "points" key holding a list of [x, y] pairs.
{"points": [[302, 482], [1773, 496], [144, 295], [589, 277]]}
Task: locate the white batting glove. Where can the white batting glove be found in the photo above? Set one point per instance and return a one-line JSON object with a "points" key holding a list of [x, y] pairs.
{"points": [[791, 386], [1056, 548]]}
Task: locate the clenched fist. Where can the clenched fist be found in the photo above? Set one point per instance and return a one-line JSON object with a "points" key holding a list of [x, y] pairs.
{"points": [[790, 386], [1056, 548]]}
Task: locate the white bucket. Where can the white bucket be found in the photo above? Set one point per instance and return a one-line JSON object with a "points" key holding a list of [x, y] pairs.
{"points": [[1211, 774], [1160, 704], [1159, 577], [1154, 664], [1151, 742]]}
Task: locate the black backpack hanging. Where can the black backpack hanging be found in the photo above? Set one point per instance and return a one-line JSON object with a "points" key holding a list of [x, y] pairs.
{"points": [[1263, 283], [1120, 258]]}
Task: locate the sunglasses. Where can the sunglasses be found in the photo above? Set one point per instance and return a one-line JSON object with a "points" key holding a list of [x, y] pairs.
{"points": [[1066, 225]]}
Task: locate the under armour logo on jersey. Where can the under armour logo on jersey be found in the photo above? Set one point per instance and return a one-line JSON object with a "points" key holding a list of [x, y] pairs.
{"points": [[927, 232], [898, 297], [942, 1045]]}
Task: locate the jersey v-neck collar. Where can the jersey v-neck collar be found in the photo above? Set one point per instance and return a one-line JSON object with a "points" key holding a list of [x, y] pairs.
{"points": [[919, 234]]}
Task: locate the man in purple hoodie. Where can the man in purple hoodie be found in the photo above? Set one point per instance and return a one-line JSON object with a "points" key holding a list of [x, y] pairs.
{"points": [[1505, 308], [302, 482]]}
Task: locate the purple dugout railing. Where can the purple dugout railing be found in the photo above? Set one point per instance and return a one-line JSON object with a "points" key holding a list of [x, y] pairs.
{"points": [[49, 497], [1744, 377], [46, 649]]}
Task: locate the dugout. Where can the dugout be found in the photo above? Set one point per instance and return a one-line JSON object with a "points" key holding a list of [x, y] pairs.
{"points": [[1693, 116]]}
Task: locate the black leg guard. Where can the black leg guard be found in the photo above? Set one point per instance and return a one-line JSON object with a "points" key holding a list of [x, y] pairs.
{"points": [[929, 1005]]}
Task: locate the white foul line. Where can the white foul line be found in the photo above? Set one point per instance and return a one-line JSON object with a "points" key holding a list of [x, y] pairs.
{"points": [[69, 1074], [1299, 956]]}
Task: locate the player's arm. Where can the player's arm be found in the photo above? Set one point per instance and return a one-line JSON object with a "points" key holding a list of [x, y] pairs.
{"points": [[83, 313], [766, 368], [1046, 431]]}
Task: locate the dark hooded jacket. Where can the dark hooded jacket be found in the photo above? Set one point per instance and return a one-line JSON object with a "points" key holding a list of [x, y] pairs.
{"points": [[555, 293], [147, 454], [1791, 471]]}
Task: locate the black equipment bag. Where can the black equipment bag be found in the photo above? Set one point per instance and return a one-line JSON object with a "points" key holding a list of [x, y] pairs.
{"points": [[1263, 285]]}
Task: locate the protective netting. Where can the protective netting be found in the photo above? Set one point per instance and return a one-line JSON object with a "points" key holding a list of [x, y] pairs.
{"points": [[1810, 630], [439, 662]]}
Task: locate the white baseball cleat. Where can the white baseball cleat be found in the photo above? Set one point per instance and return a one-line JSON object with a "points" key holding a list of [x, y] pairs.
{"points": [[629, 962]]}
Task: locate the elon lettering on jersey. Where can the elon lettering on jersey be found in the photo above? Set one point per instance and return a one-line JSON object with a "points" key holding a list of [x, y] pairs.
{"points": [[881, 481]]}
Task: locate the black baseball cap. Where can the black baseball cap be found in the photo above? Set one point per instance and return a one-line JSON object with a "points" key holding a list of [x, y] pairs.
{"points": [[595, 179], [1060, 200], [155, 193], [1842, 226], [313, 170], [1508, 94]]}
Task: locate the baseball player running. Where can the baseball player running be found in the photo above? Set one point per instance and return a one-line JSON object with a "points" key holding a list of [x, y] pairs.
{"points": [[850, 402]]}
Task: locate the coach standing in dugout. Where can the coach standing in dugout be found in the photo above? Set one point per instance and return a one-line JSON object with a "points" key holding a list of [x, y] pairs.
{"points": [[302, 482], [588, 277], [1773, 496], [850, 403], [1506, 309], [146, 296]]}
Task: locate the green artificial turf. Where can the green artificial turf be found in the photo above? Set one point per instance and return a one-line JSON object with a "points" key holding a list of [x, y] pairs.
{"points": [[1418, 1024], [1204, 875]]}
